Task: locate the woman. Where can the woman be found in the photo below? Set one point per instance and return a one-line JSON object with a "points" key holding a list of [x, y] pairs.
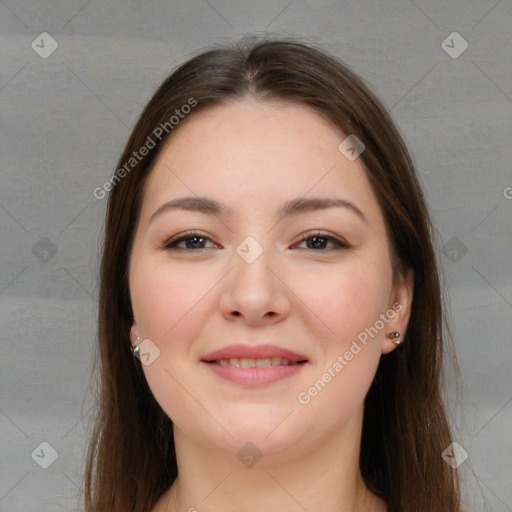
{"points": [[270, 312]]}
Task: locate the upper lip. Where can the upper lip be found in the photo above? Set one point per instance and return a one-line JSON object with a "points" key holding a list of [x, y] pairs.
{"points": [[253, 352]]}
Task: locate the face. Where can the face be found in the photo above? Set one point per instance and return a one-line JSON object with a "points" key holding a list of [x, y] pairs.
{"points": [[264, 298]]}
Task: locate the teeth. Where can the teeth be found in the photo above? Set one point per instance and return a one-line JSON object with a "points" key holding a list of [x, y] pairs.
{"points": [[254, 363]]}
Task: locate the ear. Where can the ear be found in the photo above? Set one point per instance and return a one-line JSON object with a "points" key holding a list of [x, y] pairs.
{"points": [[400, 303], [134, 332]]}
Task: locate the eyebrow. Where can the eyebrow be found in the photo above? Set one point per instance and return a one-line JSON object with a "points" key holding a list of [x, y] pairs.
{"points": [[296, 206]]}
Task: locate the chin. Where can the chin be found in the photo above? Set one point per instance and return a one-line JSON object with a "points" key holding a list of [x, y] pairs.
{"points": [[271, 449], [270, 436], [267, 436]]}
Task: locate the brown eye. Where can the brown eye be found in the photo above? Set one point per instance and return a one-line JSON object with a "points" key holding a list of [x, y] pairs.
{"points": [[192, 240], [320, 241]]}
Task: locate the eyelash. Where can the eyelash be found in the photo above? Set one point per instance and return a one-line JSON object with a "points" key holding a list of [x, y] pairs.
{"points": [[172, 243]]}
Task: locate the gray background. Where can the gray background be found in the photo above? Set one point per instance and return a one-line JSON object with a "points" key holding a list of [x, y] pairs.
{"points": [[65, 119]]}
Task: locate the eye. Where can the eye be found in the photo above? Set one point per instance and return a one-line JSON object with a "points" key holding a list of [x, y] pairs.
{"points": [[193, 240], [319, 241]]}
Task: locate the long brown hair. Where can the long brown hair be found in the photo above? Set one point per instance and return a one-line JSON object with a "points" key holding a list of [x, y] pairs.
{"points": [[131, 459]]}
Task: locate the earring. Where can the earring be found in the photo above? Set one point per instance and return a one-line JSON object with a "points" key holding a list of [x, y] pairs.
{"points": [[136, 347], [394, 336]]}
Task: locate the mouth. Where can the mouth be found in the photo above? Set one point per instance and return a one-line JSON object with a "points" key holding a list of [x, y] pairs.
{"points": [[253, 366], [256, 363]]}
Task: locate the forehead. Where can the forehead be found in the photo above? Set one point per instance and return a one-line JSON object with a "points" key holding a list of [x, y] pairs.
{"points": [[256, 127], [256, 152]]}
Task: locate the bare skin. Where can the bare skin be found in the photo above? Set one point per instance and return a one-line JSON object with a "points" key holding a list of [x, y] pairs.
{"points": [[313, 296]]}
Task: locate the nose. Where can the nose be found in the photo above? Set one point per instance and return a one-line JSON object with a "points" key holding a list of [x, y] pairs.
{"points": [[254, 293]]}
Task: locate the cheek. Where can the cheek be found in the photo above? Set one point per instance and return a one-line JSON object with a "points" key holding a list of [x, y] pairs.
{"points": [[347, 365], [346, 301], [165, 298], [171, 305]]}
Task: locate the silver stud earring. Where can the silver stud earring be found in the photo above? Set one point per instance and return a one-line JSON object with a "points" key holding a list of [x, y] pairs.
{"points": [[136, 347], [394, 336]]}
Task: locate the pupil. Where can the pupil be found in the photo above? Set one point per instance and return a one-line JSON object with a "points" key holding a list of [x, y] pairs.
{"points": [[314, 242], [192, 241]]}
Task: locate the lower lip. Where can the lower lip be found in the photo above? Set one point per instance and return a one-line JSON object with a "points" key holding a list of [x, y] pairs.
{"points": [[253, 377]]}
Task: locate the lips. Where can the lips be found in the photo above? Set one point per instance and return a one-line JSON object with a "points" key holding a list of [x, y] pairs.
{"points": [[254, 366], [236, 354]]}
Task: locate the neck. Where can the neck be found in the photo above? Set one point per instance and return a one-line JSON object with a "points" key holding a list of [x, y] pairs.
{"points": [[323, 477]]}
